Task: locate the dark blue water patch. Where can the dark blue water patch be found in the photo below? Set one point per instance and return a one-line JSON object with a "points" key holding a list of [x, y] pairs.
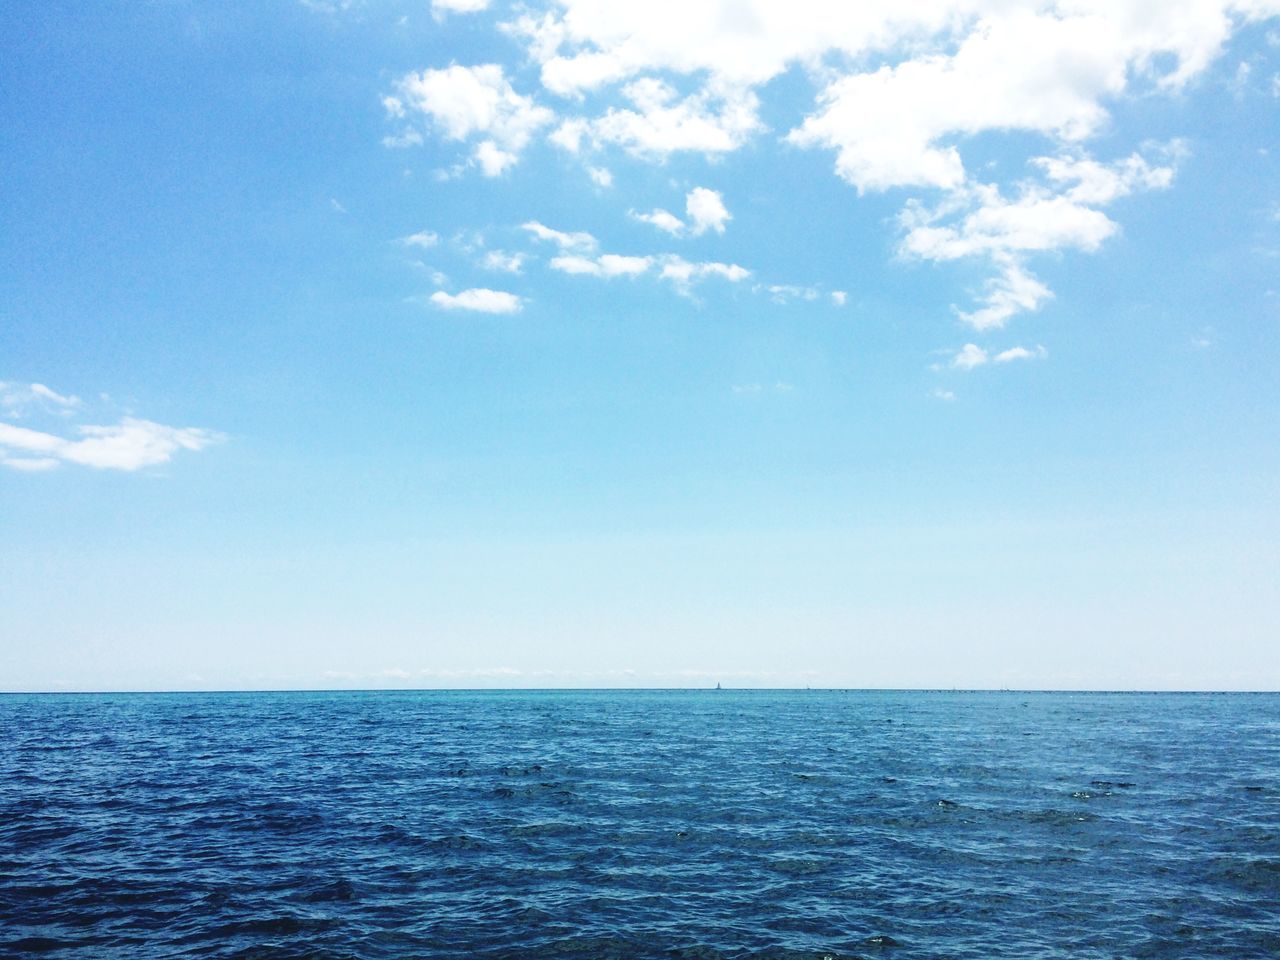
{"points": [[640, 824]]}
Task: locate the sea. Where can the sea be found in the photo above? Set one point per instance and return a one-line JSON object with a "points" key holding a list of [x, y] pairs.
{"points": [[640, 824]]}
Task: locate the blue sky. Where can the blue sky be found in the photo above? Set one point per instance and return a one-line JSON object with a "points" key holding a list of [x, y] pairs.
{"points": [[390, 344]]}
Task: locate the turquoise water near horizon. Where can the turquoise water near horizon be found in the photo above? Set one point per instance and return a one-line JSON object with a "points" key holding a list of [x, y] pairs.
{"points": [[699, 824]]}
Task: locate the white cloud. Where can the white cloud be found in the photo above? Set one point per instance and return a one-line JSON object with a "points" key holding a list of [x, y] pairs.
{"points": [[1060, 213], [17, 398], [423, 239], [1010, 292], [661, 123], [405, 138], [573, 264], [663, 220], [969, 356], [479, 300], [580, 241], [706, 211], [128, 445], [441, 7], [469, 102], [839, 297], [938, 393], [682, 274], [608, 265], [785, 293], [569, 134], [503, 261], [493, 159], [904, 89], [600, 176], [1020, 353]]}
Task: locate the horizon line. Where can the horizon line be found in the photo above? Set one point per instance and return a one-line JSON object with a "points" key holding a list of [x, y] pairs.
{"points": [[699, 689]]}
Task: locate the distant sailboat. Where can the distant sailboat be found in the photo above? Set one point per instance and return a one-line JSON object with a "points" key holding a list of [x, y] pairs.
{"points": [[717, 686]]}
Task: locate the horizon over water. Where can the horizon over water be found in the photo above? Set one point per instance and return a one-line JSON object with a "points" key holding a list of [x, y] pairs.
{"points": [[638, 823]]}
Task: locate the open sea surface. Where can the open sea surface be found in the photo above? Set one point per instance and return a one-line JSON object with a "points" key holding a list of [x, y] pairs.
{"points": [[670, 824]]}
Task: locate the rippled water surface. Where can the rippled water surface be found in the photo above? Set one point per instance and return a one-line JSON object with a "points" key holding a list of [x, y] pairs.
{"points": [[640, 824]]}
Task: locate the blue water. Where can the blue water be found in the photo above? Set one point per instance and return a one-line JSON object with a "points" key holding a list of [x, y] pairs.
{"points": [[640, 824]]}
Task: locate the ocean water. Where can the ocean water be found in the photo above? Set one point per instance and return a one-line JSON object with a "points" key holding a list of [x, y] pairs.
{"points": [[640, 824]]}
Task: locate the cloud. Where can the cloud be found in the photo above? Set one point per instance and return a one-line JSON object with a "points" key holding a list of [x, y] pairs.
{"points": [[478, 300], [706, 211], [505, 262], [423, 239], [1020, 353], [663, 220], [467, 103], [785, 293], [441, 7], [128, 445], [1058, 213], [16, 399], [661, 123], [600, 176], [682, 274], [1010, 292], [969, 356], [903, 91], [608, 265], [839, 297], [405, 138], [704, 208], [579, 241]]}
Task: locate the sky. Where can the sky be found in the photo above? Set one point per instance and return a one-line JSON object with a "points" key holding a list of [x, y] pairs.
{"points": [[467, 343]]}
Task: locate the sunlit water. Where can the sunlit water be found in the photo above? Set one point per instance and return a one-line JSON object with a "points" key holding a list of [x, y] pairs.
{"points": [[640, 824]]}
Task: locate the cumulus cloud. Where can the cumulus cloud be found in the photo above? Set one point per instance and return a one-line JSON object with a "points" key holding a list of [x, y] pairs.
{"points": [[682, 274], [423, 238], [663, 220], [660, 122], [578, 241], [608, 265], [503, 261], [473, 104], [128, 445], [1061, 212], [478, 300], [839, 297], [600, 176], [705, 209], [902, 90], [971, 355]]}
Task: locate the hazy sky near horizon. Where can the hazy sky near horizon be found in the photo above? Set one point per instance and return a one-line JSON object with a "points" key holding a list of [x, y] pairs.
{"points": [[579, 343]]}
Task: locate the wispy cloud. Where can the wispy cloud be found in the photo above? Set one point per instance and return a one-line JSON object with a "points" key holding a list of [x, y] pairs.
{"points": [[128, 445], [578, 241], [16, 399]]}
